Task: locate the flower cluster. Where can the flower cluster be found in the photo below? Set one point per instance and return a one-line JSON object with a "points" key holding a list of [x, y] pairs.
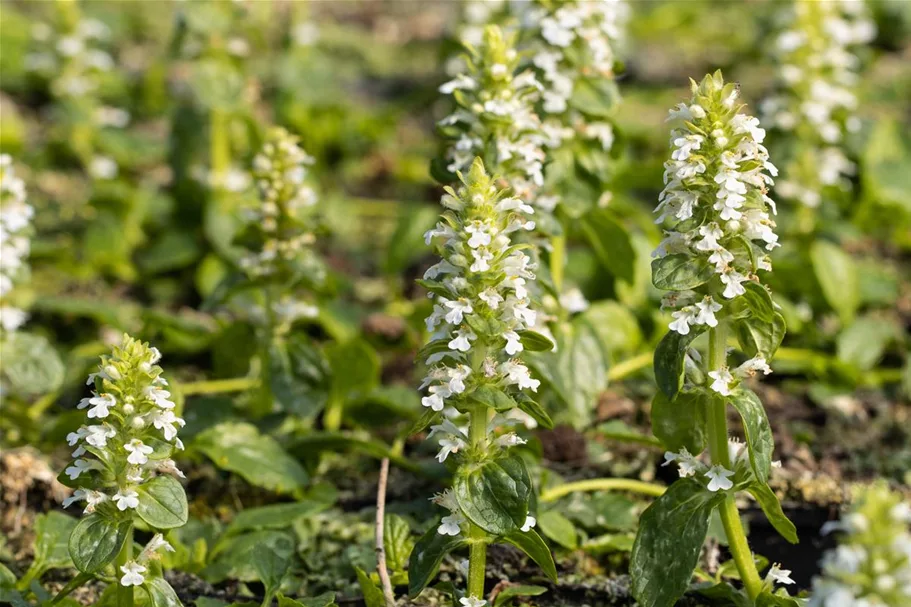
{"points": [[480, 290], [575, 40], [715, 204], [718, 477], [131, 429], [279, 234], [495, 118], [871, 567], [72, 57], [817, 73], [15, 220]]}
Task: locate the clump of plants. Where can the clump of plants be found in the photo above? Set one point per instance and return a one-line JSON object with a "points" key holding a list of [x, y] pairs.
{"points": [[481, 324], [716, 215], [124, 476], [871, 566]]}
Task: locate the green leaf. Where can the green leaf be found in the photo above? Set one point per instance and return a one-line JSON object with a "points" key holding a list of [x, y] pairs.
{"points": [[506, 595], [535, 410], [423, 422], [426, 557], [670, 355], [531, 544], [275, 516], [162, 503], [160, 593], [558, 528], [30, 364], [680, 423], [298, 376], [610, 241], [680, 272], [373, 596], [96, 541], [397, 542], [494, 495], [407, 242], [761, 337], [271, 563], [757, 431], [233, 558], [769, 503], [577, 371], [493, 397], [52, 534], [259, 459], [671, 533], [864, 342], [767, 599], [758, 301], [355, 368], [327, 599], [837, 276], [725, 594], [533, 341]]}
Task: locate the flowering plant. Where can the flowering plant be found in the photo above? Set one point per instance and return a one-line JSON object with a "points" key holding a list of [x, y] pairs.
{"points": [[719, 231], [816, 102], [123, 473], [15, 220], [481, 324], [871, 567]]}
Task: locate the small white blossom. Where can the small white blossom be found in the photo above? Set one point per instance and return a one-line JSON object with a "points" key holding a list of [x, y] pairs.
{"points": [[132, 574], [126, 499], [718, 478]]}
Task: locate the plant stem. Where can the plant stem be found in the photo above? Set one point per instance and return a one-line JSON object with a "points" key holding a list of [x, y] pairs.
{"points": [[602, 484], [381, 569], [219, 386], [718, 448], [629, 366], [477, 552], [124, 593], [557, 260]]}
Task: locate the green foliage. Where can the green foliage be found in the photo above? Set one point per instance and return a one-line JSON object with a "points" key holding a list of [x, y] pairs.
{"points": [[675, 524], [758, 433], [258, 458], [531, 544], [837, 275], [426, 557], [494, 494], [96, 541], [162, 503], [680, 423], [670, 354]]}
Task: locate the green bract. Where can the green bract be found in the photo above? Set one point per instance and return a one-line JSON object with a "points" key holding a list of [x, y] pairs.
{"points": [[121, 467]]}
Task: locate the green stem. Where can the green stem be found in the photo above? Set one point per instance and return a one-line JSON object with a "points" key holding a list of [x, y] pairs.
{"points": [[332, 420], [124, 593], [627, 367], [219, 386], [477, 551], [72, 585], [557, 261], [601, 484], [718, 448]]}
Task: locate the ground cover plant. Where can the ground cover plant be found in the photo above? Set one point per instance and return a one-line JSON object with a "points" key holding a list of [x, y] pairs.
{"points": [[390, 303]]}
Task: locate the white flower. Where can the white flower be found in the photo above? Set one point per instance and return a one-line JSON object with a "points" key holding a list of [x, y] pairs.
{"points": [[155, 544], [160, 397], [457, 309], [517, 373], [706, 312], [778, 575], [451, 524], [687, 464], [462, 340], [103, 167], [683, 318], [138, 452], [530, 522], [513, 343], [574, 301], [470, 601], [750, 367], [723, 380], [100, 405], [718, 478], [132, 574], [167, 422], [126, 499], [98, 436], [79, 466]]}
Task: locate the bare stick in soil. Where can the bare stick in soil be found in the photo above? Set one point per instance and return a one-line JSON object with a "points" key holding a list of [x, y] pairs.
{"points": [[380, 519]]}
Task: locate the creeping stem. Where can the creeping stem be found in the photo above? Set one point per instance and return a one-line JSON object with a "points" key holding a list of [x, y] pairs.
{"points": [[124, 593], [477, 551], [718, 448]]}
